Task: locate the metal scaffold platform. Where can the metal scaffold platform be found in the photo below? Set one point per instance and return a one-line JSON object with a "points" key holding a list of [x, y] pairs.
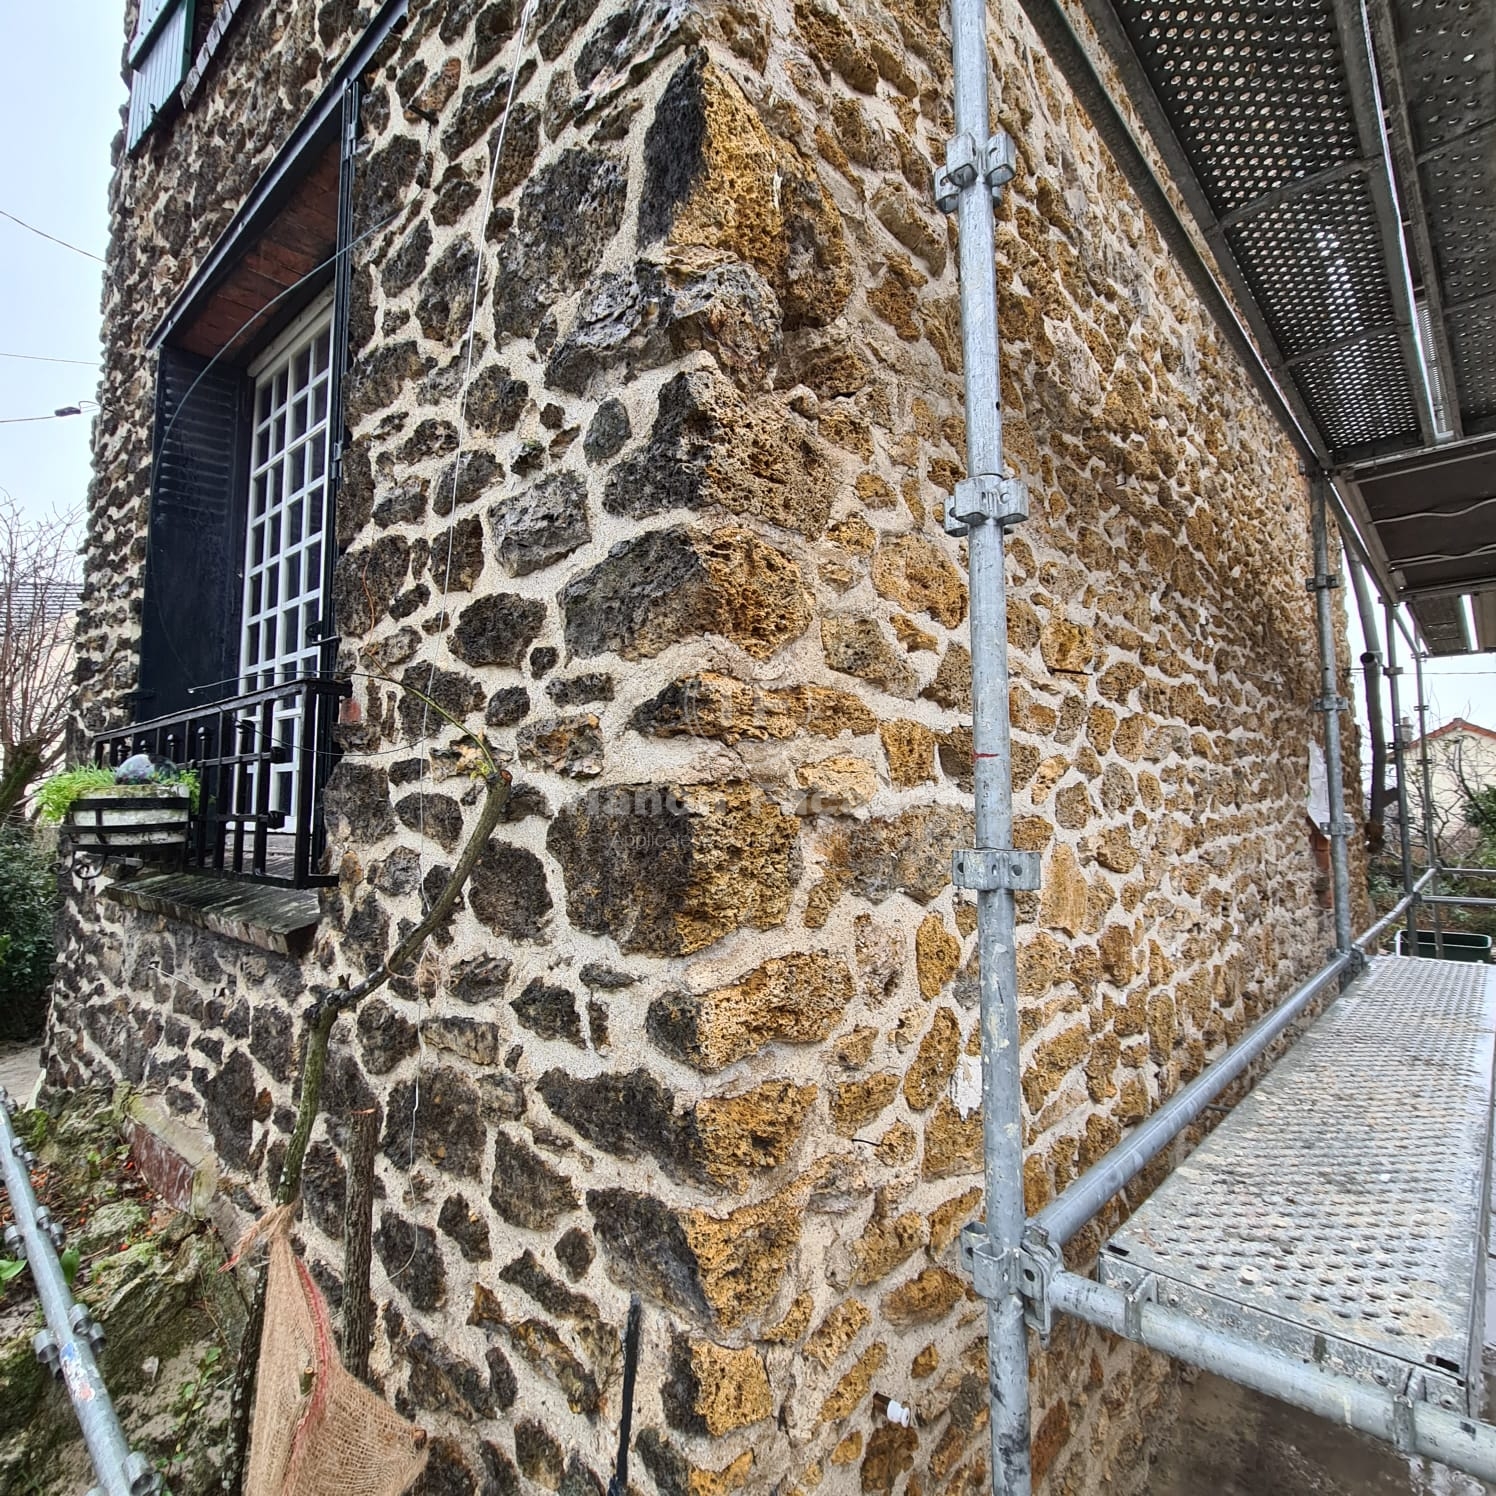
{"points": [[1337, 1215]]}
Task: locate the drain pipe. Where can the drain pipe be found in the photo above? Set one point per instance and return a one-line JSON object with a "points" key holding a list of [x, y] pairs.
{"points": [[1400, 765], [68, 1343], [1430, 845], [1331, 704], [1371, 665], [986, 502]]}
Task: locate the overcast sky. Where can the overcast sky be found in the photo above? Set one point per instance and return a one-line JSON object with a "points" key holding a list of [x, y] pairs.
{"points": [[60, 97]]}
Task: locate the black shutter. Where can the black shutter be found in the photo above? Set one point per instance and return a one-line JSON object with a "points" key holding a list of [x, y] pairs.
{"points": [[189, 634]]}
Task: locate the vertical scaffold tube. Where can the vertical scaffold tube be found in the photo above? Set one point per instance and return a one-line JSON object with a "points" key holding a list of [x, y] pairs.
{"points": [[1399, 759], [1426, 775], [1330, 705], [1002, 1095]]}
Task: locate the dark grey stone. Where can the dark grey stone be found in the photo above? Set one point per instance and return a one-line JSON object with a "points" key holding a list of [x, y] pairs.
{"points": [[497, 629], [575, 1252], [568, 214], [480, 979], [674, 150], [507, 891], [541, 524], [610, 606], [412, 1259], [507, 706], [549, 1012], [527, 1191], [434, 815], [466, 1227], [496, 400], [385, 1037], [608, 430], [360, 793]]}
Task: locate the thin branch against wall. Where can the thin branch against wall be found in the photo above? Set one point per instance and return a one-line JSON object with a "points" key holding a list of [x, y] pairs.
{"points": [[38, 596]]}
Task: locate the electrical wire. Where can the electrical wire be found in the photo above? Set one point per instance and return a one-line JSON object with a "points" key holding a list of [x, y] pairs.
{"points": [[57, 415], [527, 16], [52, 238], [40, 358]]}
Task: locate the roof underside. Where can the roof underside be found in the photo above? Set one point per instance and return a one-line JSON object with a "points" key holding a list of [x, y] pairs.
{"points": [[1340, 159]]}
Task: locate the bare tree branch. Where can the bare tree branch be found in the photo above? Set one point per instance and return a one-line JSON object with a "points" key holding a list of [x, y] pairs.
{"points": [[38, 598]]}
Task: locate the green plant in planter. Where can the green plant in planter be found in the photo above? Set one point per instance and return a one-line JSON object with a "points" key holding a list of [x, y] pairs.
{"points": [[57, 795]]}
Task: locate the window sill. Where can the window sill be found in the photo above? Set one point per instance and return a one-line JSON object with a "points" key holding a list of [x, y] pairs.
{"points": [[280, 920]]}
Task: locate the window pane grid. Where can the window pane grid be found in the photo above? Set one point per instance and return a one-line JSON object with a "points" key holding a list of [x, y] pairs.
{"points": [[283, 553]]}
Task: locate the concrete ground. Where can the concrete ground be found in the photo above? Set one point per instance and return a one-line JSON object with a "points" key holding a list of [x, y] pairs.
{"points": [[20, 1069]]}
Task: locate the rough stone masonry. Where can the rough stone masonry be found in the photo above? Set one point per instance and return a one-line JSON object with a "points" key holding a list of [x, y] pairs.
{"points": [[704, 1026]]}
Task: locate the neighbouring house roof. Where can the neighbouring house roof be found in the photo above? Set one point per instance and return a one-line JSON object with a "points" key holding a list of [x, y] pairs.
{"points": [[1459, 724]]}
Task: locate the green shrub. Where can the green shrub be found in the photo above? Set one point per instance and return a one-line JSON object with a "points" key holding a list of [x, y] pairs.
{"points": [[28, 907]]}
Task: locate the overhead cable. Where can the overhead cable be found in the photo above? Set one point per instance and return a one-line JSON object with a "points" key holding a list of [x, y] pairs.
{"points": [[52, 238]]}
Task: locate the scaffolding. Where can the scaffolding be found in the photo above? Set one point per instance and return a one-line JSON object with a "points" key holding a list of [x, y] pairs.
{"points": [[1325, 1244]]}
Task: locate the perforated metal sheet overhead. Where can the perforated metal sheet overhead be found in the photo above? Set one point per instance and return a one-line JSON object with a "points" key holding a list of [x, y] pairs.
{"points": [[1258, 95], [1446, 50]]}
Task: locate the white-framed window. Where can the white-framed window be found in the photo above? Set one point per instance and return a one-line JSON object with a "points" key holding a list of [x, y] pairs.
{"points": [[285, 529]]}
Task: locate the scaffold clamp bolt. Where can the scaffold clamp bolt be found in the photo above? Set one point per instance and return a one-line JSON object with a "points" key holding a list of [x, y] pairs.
{"points": [[86, 1327], [984, 869], [987, 497], [1002, 163], [961, 169], [44, 1343]]}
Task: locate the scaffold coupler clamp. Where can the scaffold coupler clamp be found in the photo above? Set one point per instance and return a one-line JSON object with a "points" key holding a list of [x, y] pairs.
{"points": [[984, 869], [44, 1344], [47, 1222], [1404, 1421], [1322, 581], [86, 1327], [1038, 1262], [15, 1243], [9, 1102], [994, 1273], [1331, 704], [995, 162], [988, 497]]}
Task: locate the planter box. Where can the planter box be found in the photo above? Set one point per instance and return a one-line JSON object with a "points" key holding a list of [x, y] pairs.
{"points": [[151, 824]]}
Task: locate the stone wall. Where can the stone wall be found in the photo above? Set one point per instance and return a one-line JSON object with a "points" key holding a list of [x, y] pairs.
{"points": [[704, 1027]]}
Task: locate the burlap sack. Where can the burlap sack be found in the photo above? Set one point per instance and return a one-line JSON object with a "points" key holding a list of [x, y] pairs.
{"points": [[316, 1431]]}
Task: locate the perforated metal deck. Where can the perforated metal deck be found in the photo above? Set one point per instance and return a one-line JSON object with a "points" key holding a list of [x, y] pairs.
{"points": [[1338, 1213]]}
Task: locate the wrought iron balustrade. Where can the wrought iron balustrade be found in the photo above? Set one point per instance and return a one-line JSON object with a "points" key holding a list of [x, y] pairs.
{"points": [[262, 760]]}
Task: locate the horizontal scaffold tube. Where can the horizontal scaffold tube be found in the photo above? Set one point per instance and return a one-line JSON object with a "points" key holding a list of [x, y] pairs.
{"points": [[1394, 913], [1458, 898], [1419, 1427], [1064, 1216]]}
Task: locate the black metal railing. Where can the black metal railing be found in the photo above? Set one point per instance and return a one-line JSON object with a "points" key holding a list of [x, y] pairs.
{"points": [[262, 761]]}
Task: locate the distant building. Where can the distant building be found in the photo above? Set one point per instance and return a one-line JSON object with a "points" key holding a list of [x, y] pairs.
{"points": [[1462, 759]]}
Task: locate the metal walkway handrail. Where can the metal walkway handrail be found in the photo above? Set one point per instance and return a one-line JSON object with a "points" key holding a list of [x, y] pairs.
{"points": [[1414, 1427], [68, 1343], [1059, 1221]]}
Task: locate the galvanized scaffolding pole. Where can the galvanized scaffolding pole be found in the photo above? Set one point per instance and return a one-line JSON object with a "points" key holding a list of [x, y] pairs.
{"points": [[977, 166], [68, 1343], [1400, 763], [1430, 844], [1331, 704]]}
